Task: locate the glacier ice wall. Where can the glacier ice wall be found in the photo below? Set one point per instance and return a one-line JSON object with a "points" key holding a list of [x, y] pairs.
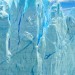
{"points": [[37, 37]]}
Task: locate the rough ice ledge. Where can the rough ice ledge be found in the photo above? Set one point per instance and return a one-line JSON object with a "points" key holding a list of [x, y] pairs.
{"points": [[36, 38]]}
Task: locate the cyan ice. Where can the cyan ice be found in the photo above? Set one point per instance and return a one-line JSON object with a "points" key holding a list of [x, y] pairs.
{"points": [[37, 37], [22, 60]]}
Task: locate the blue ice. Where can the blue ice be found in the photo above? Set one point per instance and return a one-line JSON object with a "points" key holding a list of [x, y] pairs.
{"points": [[37, 37]]}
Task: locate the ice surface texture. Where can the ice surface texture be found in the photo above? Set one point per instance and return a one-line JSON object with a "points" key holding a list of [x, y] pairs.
{"points": [[37, 37]]}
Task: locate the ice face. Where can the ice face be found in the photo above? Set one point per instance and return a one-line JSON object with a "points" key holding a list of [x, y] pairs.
{"points": [[4, 36], [36, 38]]}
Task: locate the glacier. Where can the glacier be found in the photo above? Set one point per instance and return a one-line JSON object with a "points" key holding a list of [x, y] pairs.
{"points": [[37, 37]]}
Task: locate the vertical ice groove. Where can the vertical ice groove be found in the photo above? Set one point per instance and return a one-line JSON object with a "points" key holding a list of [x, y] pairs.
{"points": [[42, 23], [32, 71], [39, 19], [23, 12], [5, 15], [25, 6], [39, 34], [19, 29], [8, 53], [39, 61]]}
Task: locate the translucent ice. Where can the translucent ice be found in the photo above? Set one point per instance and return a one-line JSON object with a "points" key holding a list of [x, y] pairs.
{"points": [[37, 37]]}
